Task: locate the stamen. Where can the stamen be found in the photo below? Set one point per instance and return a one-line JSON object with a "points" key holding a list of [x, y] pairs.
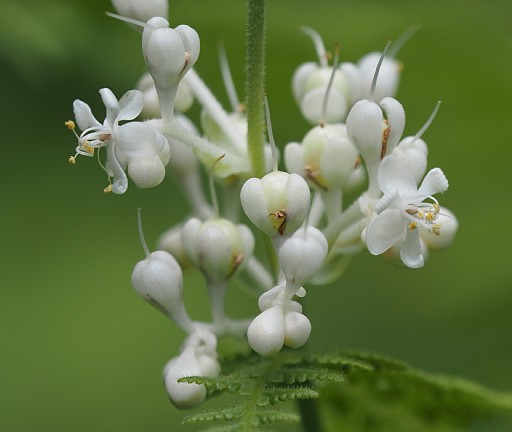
{"points": [[377, 70], [130, 20], [141, 233], [319, 45], [108, 189], [228, 78], [270, 134], [72, 160], [70, 125], [413, 226], [331, 81]]}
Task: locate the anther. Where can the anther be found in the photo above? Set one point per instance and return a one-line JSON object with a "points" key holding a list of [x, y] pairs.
{"points": [[72, 160], [70, 124]]}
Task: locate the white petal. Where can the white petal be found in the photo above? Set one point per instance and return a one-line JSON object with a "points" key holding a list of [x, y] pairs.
{"points": [[353, 77], [395, 115], [131, 105], [385, 230], [191, 44], [83, 115], [146, 172], [112, 105], [395, 175], [294, 158], [434, 182], [364, 126], [297, 329], [410, 252], [120, 184], [266, 332]]}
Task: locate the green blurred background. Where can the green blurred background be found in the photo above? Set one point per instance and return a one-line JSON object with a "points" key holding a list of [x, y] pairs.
{"points": [[81, 352]]}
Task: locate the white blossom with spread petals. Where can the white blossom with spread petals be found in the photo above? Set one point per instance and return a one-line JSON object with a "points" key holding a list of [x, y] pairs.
{"points": [[137, 147], [402, 211]]}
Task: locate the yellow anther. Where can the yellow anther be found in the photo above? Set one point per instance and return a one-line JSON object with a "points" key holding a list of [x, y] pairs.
{"points": [[430, 217], [108, 189], [413, 225], [72, 160], [436, 229], [88, 148], [70, 125], [421, 215]]}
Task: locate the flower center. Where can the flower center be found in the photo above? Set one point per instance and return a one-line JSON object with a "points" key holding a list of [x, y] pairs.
{"points": [[425, 215]]}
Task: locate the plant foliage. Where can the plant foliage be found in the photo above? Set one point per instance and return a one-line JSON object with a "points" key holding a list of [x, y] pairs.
{"points": [[359, 392]]}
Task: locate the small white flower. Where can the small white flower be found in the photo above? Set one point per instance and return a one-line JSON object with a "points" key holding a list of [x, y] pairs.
{"points": [[402, 211], [138, 147]]}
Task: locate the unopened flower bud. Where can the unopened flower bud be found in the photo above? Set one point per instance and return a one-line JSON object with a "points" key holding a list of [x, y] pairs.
{"points": [[158, 279], [327, 156], [374, 135], [169, 53], [302, 255], [297, 329], [218, 247], [277, 203], [184, 395], [389, 75], [266, 332]]}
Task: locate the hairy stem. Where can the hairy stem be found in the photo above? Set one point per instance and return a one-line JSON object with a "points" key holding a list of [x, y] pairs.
{"points": [[255, 84]]}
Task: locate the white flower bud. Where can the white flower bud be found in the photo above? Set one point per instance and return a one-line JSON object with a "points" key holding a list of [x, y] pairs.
{"points": [[169, 53], [278, 203], [184, 395], [297, 328], [373, 135], [329, 157], [141, 10], [158, 279], [302, 255], [217, 246], [389, 75], [266, 332]]}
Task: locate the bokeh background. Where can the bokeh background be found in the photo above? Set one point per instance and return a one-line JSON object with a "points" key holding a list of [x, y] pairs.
{"points": [[81, 352]]}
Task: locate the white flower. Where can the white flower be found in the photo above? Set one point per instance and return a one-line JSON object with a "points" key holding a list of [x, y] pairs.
{"points": [[138, 147], [402, 211]]}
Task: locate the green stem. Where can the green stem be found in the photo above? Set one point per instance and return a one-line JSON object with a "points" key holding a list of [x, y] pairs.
{"points": [[310, 416], [255, 84]]}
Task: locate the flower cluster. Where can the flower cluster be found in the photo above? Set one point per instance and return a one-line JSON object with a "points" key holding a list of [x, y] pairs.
{"points": [[310, 230]]}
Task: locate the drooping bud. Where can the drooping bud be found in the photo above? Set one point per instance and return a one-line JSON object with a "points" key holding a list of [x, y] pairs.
{"points": [[217, 247], [184, 395], [266, 332], [326, 158], [297, 329], [277, 203], [158, 279]]}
